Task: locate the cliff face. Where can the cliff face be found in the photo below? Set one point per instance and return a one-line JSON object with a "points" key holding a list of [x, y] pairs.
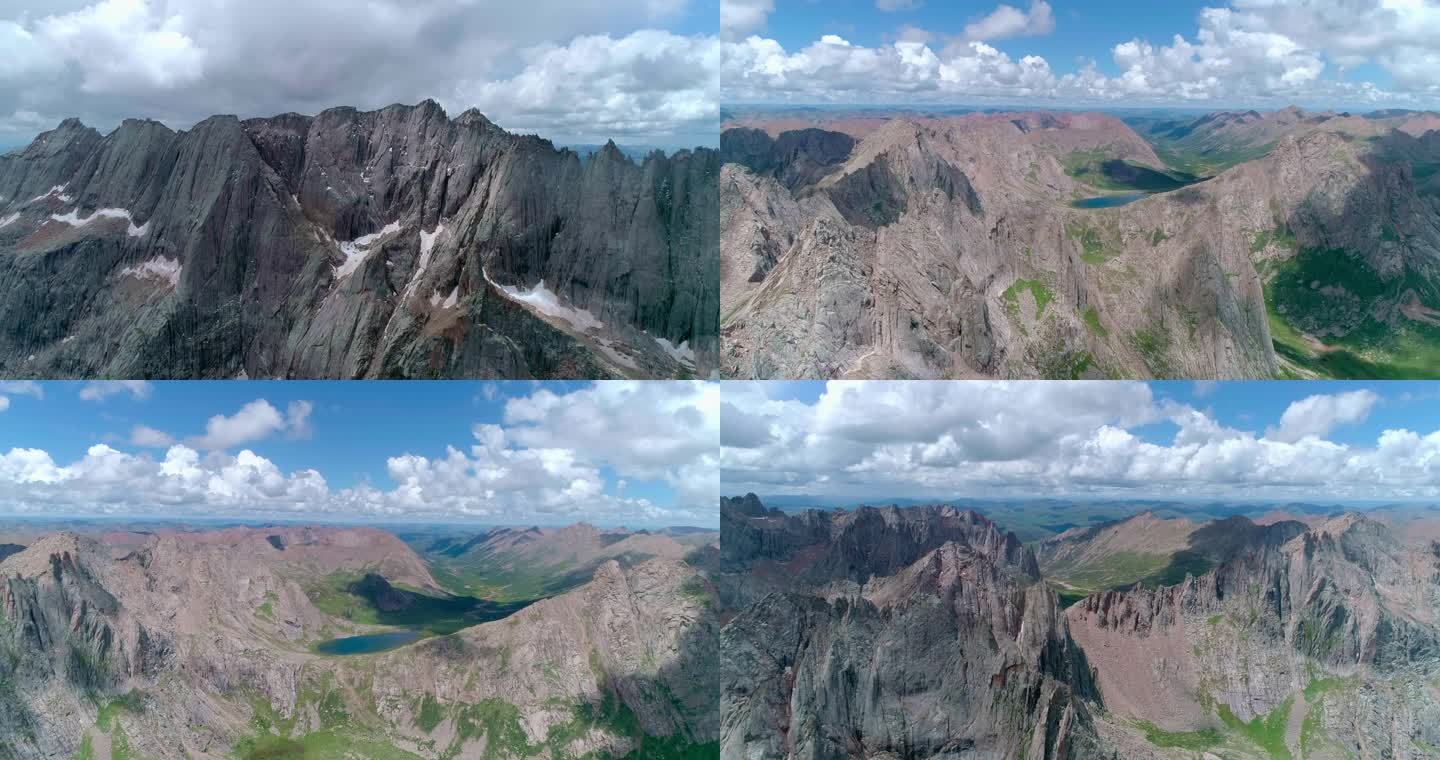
{"points": [[397, 242], [1330, 636], [950, 248], [920, 633]]}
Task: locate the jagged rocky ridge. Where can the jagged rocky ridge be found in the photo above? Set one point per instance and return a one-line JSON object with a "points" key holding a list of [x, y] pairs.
{"points": [[1327, 635], [198, 645], [392, 243], [948, 248], [893, 633], [1318, 641]]}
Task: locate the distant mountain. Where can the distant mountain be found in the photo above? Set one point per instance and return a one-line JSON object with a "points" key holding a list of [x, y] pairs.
{"points": [[213, 644], [529, 563], [1068, 245], [390, 243]]}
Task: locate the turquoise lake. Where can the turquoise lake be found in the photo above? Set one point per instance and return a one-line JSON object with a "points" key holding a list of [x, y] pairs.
{"points": [[370, 643], [1109, 201]]}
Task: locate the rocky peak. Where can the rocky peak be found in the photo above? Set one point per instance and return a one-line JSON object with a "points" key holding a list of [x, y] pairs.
{"points": [[609, 152], [55, 554], [745, 506], [817, 670], [472, 117]]}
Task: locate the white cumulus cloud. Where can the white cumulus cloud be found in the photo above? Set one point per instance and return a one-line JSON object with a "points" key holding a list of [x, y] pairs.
{"points": [[104, 389], [1265, 52], [554, 456], [1007, 21], [1317, 415], [180, 61], [255, 421], [739, 18], [976, 439]]}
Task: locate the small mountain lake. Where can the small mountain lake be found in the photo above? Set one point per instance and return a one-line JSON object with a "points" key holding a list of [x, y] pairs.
{"points": [[370, 643], [1108, 201]]}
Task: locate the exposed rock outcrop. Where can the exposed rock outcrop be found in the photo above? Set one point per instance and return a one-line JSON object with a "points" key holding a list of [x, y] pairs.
{"points": [[1331, 629], [391, 243], [196, 643], [950, 248], [918, 633]]}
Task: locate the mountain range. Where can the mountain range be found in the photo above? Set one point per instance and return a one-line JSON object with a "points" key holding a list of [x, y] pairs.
{"points": [[1080, 245], [930, 632], [392, 243], [337, 641]]}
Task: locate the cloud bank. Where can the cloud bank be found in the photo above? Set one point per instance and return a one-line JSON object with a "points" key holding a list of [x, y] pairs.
{"points": [[575, 71], [1251, 51], [977, 439], [553, 459]]}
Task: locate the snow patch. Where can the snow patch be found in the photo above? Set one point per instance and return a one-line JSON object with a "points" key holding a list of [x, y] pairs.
{"points": [[681, 353], [427, 241], [543, 300], [9, 220], [58, 191], [448, 302], [73, 219], [358, 249], [159, 268], [427, 244]]}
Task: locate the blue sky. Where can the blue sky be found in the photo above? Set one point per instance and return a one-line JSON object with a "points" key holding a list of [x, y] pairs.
{"points": [[1328, 441], [1083, 30], [1245, 404], [1338, 53], [349, 433]]}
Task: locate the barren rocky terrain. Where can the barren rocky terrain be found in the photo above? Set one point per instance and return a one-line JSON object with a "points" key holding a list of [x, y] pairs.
{"points": [[204, 644], [1071, 245], [390, 243], [929, 632]]}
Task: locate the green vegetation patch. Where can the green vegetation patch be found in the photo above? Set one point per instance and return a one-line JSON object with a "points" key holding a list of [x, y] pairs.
{"points": [[1092, 323], [1154, 346], [87, 749], [1038, 291], [503, 576], [355, 597], [1092, 247], [340, 735], [1123, 570], [266, 611], [1203, 160], [429, 714], [321, 745], [1266, 731], [1065, 365], [1096, 168], [695, 590], [1281, 236], [132, 702], [1320, 291], [1198, 741]]}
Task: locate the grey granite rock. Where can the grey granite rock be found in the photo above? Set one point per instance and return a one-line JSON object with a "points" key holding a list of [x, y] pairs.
{"points": [[390, 243]]}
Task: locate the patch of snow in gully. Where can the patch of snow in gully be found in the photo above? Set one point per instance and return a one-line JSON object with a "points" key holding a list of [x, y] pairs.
{"points": [[73, 219], [159, 268], [358, 249]]}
